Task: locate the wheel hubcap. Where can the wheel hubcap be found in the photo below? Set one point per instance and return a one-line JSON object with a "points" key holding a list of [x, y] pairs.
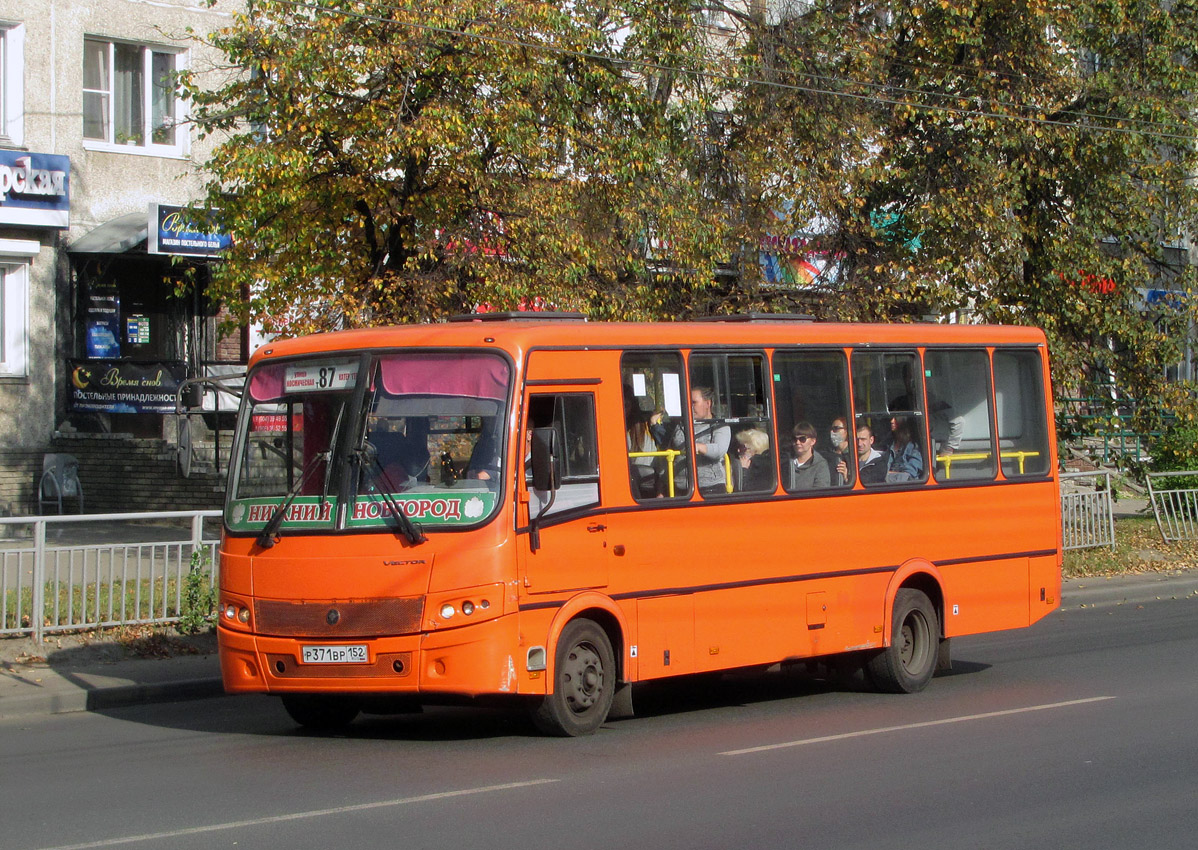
{"points": [[913, 643], [583, 678]]}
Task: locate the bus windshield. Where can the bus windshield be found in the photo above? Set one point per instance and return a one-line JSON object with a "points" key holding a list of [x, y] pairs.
{"points": [[424, 435]]}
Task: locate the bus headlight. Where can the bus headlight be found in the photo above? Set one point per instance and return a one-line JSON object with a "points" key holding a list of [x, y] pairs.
{"points": [[464, 606]]}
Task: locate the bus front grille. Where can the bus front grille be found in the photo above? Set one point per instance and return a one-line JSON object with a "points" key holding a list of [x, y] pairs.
{"points": [[339, 618]]}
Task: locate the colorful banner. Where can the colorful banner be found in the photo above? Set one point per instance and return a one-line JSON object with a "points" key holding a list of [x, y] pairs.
{"points": [[116, 386]]}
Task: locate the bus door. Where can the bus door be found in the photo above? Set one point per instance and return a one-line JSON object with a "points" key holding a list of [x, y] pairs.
{"points": [[568, 548]]}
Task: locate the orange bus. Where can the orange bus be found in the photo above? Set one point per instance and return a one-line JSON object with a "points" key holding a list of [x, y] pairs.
{"points": [[550, 510]]}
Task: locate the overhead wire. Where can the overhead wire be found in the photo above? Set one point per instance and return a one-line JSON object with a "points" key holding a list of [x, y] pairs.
{"points": [[1127, 126]]}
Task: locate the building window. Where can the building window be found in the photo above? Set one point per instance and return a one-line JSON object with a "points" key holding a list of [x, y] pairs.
{"points": [[12, 45], [129, 97], [13, 286]]}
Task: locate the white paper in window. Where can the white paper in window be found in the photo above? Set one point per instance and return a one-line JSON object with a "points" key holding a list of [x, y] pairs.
{"points": [[672, 387], [638, 384]]}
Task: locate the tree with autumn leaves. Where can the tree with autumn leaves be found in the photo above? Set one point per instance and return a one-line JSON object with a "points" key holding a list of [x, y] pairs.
{"points": [[387, 160], [390, 160]]}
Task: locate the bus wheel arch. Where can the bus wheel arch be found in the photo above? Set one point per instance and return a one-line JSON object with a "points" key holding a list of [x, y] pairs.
{"points": [[921, 576], [913, 648], [585, 671], [600, 610], [582, 684]]}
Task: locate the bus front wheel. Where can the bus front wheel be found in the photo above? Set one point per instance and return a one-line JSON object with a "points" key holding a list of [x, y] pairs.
{"points": [[907, 665], [584, 679], [321, 712]]}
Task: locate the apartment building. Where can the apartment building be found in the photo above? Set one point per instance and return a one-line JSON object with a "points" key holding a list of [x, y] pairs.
{"points": [[103, 309]]}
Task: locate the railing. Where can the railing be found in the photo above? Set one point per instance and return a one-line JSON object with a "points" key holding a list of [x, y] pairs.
{"points": [[1176, 508], [1104, 433], [93, 571], [1087, 514]]}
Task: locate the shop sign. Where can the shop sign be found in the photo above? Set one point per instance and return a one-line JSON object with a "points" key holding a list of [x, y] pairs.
{"points": [[171, 232], [118, 386], [35, 189]]}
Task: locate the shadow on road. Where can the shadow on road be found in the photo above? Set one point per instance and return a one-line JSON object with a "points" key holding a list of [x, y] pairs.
{"points": [[264, 715]]}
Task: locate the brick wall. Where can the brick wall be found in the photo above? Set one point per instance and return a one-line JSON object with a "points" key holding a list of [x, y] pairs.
{"points": [[121, 474], [20, 470]]}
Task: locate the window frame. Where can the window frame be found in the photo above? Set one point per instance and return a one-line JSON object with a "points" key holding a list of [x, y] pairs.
{"points": [[685, 472], [936, 460], [1030, 391], [14, 307], [722, 387], [177, 119], [917, 411], [12, 76], [784, 425], [540, 507]]}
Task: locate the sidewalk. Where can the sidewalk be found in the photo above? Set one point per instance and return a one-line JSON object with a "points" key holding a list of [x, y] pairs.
{"points": [[98, 677]]}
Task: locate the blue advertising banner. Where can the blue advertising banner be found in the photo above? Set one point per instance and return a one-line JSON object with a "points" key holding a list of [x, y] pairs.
{"points": [[170, 232], [35, 189], [120, 386]]}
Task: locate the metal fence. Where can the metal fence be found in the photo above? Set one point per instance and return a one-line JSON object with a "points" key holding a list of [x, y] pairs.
{"points": [[92, 571], [1176, 507], [1087, 512]]}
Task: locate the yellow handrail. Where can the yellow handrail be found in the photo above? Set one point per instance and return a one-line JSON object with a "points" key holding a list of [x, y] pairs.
{"points": [[947, 460], [669, 455]]}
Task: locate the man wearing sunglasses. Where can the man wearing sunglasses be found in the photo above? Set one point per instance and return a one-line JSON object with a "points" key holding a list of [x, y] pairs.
{"points": [[808, 470]]}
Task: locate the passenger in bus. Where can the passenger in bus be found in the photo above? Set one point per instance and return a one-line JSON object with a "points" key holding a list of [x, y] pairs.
{"points": [[403, 457], [904, 462], [840, 458], [711, 442], [484, 457], [808, 469], [871, 462], [946, 424], [640, 425], [755, 470]]}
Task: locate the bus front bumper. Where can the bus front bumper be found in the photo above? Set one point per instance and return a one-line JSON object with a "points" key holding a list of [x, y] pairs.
{"points": [[484, 658]]}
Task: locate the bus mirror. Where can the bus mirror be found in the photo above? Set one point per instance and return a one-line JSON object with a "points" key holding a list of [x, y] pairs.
{"points": [[546, 459]]}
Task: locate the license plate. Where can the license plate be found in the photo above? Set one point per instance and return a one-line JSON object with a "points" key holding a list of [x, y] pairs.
{"points": [[352, 654]]}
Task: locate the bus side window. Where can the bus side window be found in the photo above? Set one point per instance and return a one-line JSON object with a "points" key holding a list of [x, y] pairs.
{"points": [[815, 436], [572, 415], [730, 405], [657, 435], [1019, 402], [959, 419], [888, 396]]}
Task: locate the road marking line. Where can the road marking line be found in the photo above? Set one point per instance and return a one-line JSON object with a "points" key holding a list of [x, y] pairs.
{"points": [[926, 723], [316, 813]]}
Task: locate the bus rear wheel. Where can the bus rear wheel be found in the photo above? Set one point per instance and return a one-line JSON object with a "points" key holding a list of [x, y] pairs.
{"points": [[321, 712], [584, 679], [907, 665]]}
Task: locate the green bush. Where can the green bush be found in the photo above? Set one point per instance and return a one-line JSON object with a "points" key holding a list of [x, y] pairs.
{"points": [[199, 597], [1174, 450]]}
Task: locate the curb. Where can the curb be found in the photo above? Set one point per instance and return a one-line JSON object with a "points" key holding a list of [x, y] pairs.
{"points": [[123, 696], [105, 698]]}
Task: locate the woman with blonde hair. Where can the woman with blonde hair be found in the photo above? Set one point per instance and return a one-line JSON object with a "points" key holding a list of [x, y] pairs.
{"points": [[756, 470]]}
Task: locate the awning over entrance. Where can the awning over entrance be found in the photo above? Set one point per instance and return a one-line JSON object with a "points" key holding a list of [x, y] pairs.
{"points": [[113, 237]]}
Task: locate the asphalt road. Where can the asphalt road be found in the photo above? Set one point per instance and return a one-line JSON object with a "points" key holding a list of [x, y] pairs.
{"points": [[1079, 732]]}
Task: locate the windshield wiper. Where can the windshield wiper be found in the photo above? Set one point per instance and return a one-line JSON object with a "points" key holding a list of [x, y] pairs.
{"points": [[269, 535], [367, 457]]}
